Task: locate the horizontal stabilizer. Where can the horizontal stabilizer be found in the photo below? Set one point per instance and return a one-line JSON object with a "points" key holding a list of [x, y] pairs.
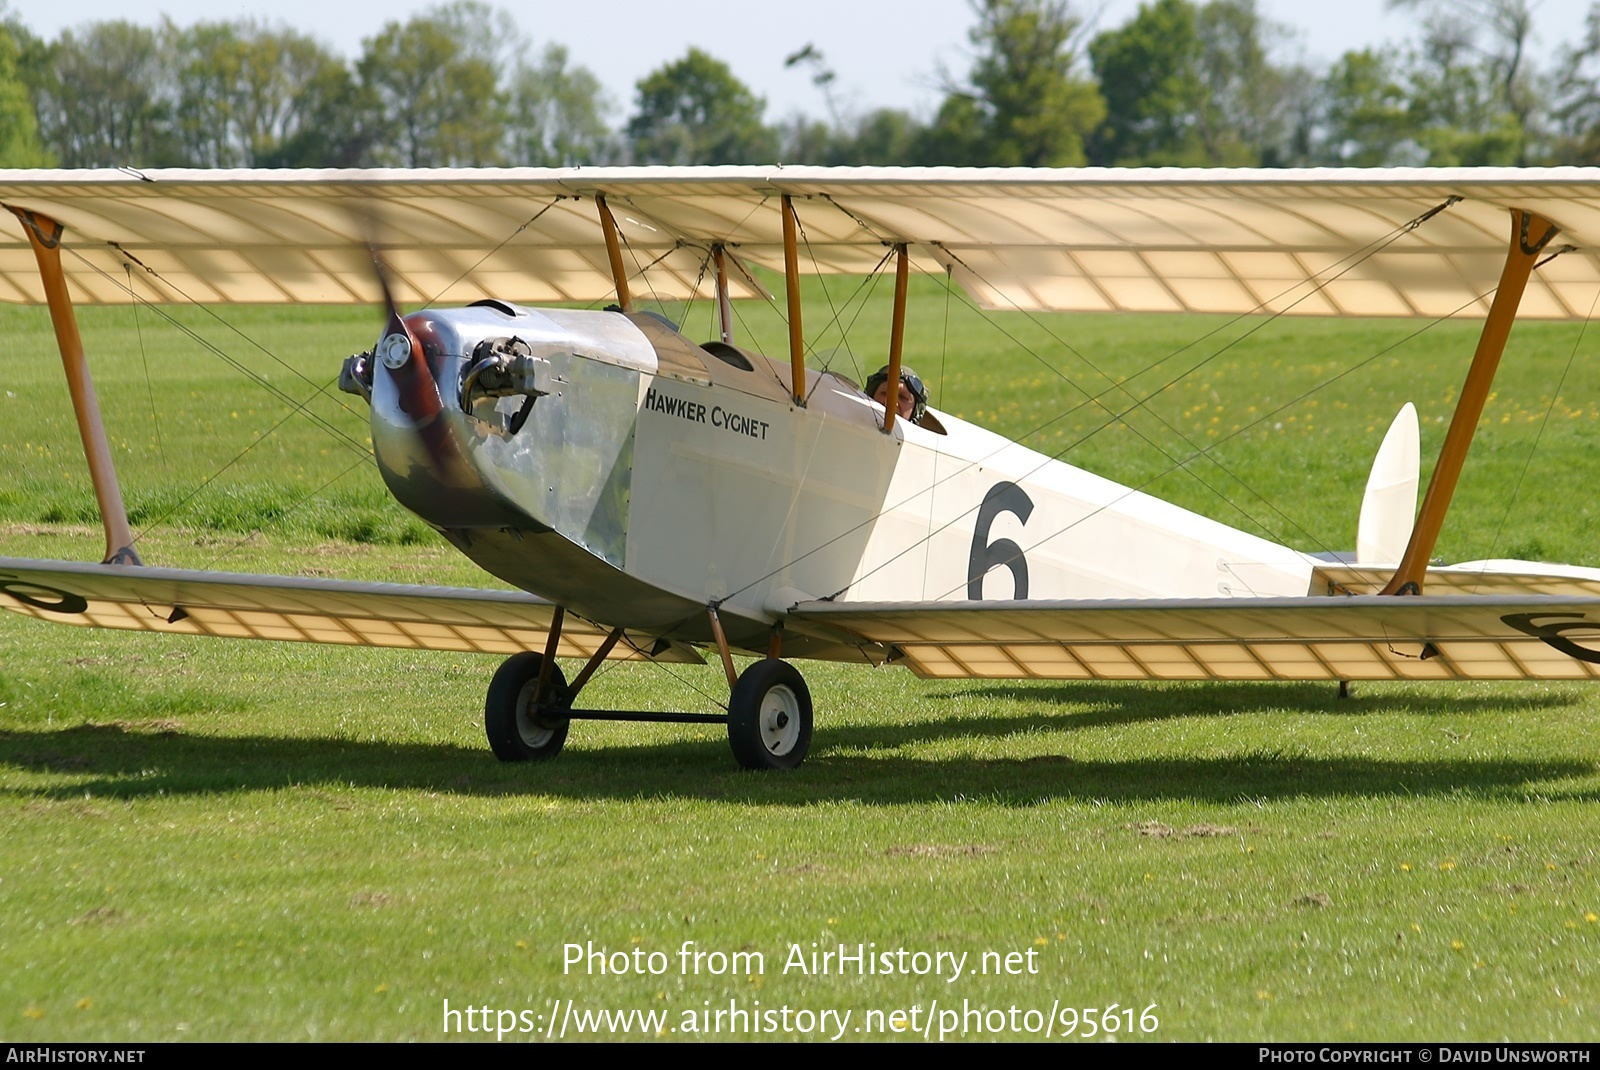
{"points": [[1357, 638], [299, 609]]}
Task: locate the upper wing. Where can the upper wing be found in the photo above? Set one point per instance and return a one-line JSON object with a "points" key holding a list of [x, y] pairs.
{"points": [[188, 602], [1072, 239], [1365, 637]]}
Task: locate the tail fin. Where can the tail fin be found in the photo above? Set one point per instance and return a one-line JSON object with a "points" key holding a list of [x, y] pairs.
{"points": [[1389, 507]]}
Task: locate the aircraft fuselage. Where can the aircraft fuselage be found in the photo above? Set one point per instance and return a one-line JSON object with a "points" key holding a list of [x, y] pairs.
{"points": [[639, 477]]}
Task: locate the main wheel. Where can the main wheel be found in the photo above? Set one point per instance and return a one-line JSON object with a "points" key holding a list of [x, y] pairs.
{"points": [[518, 730], [769, 716]]}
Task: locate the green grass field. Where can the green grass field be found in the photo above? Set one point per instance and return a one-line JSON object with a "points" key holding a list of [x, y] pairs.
{"points": [[210, 840]]}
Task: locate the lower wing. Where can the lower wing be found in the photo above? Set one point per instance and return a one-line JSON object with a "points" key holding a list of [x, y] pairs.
{"points": [[1364, 637], [296, 609]]}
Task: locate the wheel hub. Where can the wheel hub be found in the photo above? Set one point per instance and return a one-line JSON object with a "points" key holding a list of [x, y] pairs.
{"points": [[530, 725], [780, 728]]}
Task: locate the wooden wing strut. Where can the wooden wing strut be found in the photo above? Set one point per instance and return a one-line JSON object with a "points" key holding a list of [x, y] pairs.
{"points": [[44, 234], [1529, 236]]}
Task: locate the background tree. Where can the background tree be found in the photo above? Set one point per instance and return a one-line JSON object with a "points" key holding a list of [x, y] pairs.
{"points": [[1472, 96], [1150, 80], [1366, 118], [20, 144], [1574, 119], [1025, 103], [694, 111], [1194, 85], [1189, 82], [882, 137], [274, 100], [209, 62], [1456, 107], [105, 99], [1244, 119], [242, 90], [557, 114], [823, 76], [1498, 32], [437, 79], [336, 122]]}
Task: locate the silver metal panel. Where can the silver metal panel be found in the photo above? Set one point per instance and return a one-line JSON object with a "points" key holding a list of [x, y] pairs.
{"points": [[568, 468]]}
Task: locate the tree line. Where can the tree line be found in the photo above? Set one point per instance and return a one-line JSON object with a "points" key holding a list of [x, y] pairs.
{"points": [[1181, 83]]}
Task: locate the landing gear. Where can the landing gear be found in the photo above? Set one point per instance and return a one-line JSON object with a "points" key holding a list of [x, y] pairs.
{"points": [[521, 729], [529, 706], [769, 716]]}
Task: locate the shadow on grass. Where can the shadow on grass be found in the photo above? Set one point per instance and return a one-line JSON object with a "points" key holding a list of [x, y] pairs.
{"points": [[130, 761], [1095, 704]]}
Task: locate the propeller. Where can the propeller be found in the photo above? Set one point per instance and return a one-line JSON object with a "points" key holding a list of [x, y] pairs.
{"points": [[402, 350]]}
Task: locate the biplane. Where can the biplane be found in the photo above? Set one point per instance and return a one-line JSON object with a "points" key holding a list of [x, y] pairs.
{"points": [[653, 496]]}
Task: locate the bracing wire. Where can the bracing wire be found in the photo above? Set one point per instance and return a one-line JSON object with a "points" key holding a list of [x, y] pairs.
{"points": [[1544, 423], [1350, 261], [1354, 259], [281, 515], [844, 336], [187, 498], [869, 278], [149, 386], [476, 264], [875, 278], [1121, 418], [1129, 491], [296, 406], [944, 363], [207, 310]]}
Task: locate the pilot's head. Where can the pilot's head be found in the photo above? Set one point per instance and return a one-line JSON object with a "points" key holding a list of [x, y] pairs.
{"points": [[911, 400]]}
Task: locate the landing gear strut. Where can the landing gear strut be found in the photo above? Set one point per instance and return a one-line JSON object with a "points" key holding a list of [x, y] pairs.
{"points": [[529, 706]]}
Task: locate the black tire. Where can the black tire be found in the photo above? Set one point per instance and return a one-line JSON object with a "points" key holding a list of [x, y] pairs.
{"points": [[517, 732], [769, 716]]}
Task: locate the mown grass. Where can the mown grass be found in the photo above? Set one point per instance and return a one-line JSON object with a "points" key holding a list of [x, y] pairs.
{"points": [[216, 840]]}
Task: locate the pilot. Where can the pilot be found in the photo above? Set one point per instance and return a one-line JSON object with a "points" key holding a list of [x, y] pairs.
{"points": [[912, 399]]}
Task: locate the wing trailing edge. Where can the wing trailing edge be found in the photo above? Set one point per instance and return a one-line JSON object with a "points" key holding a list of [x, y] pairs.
{"points": [[1481, 637], [301, 609]]}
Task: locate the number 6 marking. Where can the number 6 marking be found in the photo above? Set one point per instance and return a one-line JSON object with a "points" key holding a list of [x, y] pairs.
{"points": [[68, 602], [986, 555]]}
